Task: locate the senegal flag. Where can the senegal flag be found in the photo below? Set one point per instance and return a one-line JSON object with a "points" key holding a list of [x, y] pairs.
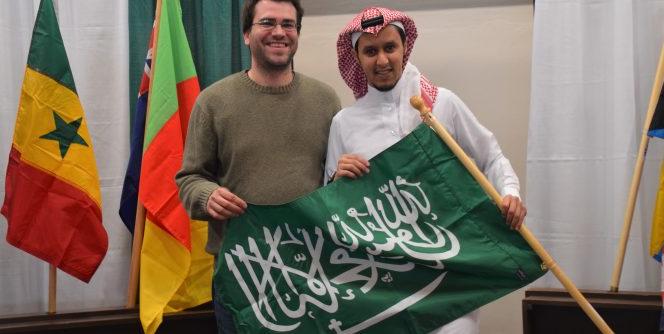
{"points": [[175, 271], [53, 201], [407, 248]]}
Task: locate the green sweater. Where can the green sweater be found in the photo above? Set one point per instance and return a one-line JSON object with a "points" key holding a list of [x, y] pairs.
{"points": [[265, 144]]}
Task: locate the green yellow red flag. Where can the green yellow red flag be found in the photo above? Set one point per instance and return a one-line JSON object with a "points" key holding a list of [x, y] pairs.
{"points": [[53, 201], [175, 271]]}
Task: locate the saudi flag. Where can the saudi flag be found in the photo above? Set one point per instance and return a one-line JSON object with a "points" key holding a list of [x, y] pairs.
{"points": [[407, 248]]}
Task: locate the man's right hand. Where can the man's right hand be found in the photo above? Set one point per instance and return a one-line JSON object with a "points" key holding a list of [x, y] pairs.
{"points": [[223, 204], [351, 166]]}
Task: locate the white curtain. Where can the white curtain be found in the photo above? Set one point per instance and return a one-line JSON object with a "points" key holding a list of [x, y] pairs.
{"points": [[95, 35], [593, 67]]}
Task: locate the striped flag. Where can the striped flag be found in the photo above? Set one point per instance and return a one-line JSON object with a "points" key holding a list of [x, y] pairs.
{"points": [[655, 117], [53, 199], [175, 271], [656, 129], [657, 235], [657, 228]]}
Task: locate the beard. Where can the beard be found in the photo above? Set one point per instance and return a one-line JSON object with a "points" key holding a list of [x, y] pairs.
{"points": [[385, 88], [272, 65], [384, 83]]}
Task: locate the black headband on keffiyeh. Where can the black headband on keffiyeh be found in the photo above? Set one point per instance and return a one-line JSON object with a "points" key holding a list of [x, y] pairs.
{"points": [[372, 20]]}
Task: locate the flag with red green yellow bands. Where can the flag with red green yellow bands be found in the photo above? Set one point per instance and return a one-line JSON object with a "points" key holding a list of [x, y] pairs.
{"points": [[175, 271], [52, 195]]}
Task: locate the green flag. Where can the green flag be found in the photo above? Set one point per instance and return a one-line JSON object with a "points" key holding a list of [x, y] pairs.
{"points": [[407, 248]]}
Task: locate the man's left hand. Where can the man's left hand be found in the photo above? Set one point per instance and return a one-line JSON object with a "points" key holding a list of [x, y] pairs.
{"points": [[514, 211]]}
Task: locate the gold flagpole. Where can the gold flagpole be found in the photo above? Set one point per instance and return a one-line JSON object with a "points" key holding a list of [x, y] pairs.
{"points": [[137, 244], [52, 288], [431, 120], [636, 177], [139, 227]]}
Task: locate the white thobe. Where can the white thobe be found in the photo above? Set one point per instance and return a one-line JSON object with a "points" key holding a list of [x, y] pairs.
{"points": [[380, 119]]}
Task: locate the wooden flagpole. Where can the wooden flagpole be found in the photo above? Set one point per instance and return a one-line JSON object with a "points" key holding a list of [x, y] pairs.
{"points": [[52, 288], [137, 245], [139, 226], [431, 120], [636, 177]]}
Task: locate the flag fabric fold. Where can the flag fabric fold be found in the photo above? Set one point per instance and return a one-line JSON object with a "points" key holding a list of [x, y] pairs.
{"points": [[52, 195], [657, 227], [407, 248], [175, 272], [656, 129], [657, 234]]}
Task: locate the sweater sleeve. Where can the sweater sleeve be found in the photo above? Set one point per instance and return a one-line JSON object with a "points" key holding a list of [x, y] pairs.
{"points": [[196, 179]]}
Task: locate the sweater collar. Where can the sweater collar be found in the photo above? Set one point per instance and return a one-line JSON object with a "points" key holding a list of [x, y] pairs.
{"points": [[271, 89]]}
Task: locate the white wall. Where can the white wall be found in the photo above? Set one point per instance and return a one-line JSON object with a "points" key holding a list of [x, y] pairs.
{"points": [[484, 55]]}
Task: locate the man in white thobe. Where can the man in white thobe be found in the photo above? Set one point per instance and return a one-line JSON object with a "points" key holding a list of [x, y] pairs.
{"points": [[373, 53]]}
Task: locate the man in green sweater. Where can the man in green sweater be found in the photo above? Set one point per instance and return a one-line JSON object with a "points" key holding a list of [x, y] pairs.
{"points": [[259, 136]]}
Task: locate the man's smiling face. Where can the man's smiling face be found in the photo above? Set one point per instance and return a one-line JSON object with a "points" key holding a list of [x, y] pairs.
{"points": [[381, 57], [272, 49]]}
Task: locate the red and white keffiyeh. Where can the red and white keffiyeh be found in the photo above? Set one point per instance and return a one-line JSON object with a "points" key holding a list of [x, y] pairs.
{"points": [[350, 69]]}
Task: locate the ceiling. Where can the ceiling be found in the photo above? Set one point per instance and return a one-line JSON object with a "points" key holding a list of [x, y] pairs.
{"points": [[332, 7]]}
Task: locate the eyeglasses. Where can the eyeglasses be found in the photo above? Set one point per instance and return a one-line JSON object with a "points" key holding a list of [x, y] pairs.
{"points": [[270, 24]]}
